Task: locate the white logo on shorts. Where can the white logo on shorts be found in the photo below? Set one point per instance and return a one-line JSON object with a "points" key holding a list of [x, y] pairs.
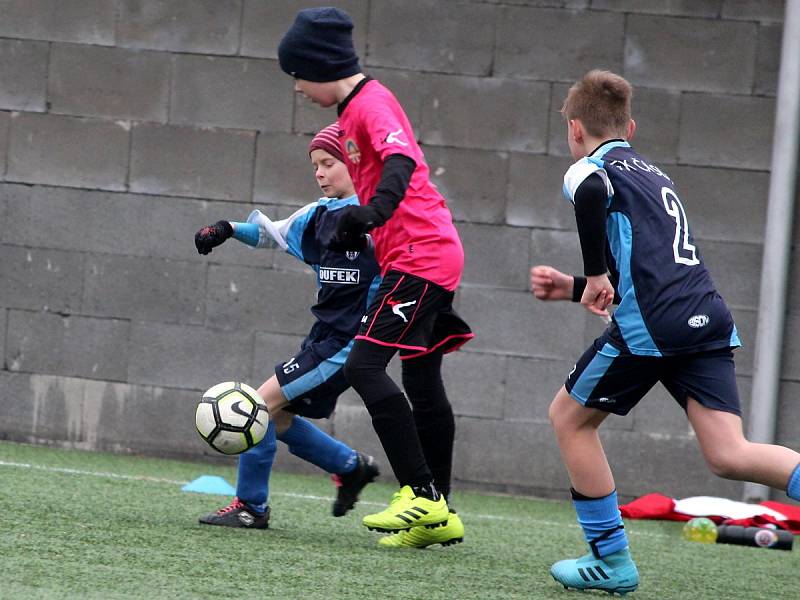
{"points": [[698, 321], [397, 306]]}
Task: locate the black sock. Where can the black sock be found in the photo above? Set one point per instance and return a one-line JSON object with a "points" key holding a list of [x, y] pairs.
{"points": [[392, 420], [428, 491], [433, 415]]}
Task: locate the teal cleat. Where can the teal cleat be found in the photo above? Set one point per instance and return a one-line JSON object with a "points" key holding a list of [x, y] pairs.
{"points": [[613, 573]]}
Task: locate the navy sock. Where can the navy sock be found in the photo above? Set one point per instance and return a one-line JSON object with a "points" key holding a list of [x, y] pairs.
{"points": [[310, 443], [793, 487], [601, 522], [255, 466]]}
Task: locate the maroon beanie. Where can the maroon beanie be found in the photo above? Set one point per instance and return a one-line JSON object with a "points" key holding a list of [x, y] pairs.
{"points": [[328, 139]]}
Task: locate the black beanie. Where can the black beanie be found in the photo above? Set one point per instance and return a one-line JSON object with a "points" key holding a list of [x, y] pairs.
{"points": [[319, 46]]}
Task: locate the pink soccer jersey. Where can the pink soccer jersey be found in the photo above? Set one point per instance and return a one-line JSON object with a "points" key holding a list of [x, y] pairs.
{"points": [[420, 237]]}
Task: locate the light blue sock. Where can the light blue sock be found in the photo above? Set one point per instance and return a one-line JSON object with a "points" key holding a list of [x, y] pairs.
{"points": [[255, 466], [602, 524], [793, 488], [310, 443]]}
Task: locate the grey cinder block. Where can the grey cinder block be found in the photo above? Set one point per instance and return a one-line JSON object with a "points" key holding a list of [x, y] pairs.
{"points": [[479, 198], [768, 58], [516, 322], [722, 54], [535, 197], [238, 93], [475, 383], [23, 75], [148, 289], [513, 113], [40, 279], [202, 26], [187, 161], [5, 120], [283, 170], [180, 356], [567, 44], [430, 38], [685, 8], [244, 298], [496, 256], [80, 21], [121, 84], [721, 201], [67, 151], [40, 342]]}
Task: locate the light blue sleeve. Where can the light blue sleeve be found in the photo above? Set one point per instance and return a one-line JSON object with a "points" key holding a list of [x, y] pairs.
{"points": [[247, 233]]}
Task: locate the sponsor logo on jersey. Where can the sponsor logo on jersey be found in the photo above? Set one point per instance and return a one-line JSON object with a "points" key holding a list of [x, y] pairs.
{"points": [[698, 321], [394, 138], [335, 275], [353, 153]]}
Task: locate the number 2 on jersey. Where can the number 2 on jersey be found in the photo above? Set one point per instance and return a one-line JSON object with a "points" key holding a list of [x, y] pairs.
{"points": [[685, 252]]}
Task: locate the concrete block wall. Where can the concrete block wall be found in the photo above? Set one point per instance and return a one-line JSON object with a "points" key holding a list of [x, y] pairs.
{"points": [[125, 125]]}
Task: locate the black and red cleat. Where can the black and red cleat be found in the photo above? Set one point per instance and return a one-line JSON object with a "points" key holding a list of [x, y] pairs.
{"points": [[349, 485], [237, 514]]}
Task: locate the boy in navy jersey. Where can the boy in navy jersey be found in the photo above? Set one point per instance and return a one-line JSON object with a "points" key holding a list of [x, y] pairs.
{"points": [[671, 326], [309, 383], [421, 259]]}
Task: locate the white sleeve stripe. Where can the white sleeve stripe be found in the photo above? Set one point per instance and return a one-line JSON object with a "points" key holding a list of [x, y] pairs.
{"points": [[578, 172]]}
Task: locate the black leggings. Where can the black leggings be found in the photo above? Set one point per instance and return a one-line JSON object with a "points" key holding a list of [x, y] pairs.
{"points": [[418, 444]]}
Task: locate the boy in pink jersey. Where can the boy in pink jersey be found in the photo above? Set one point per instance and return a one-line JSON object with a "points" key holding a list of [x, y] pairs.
{"points": [[421, 260]]}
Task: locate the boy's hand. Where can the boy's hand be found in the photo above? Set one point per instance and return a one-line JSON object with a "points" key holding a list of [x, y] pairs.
{"points": [[347, 243], [351, 228], [212, 236], [357, 220], [548, 283], [599, 293]]}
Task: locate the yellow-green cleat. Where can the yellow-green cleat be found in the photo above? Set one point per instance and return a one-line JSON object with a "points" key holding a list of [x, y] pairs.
{"points": [[406, 511], [422, 537]]}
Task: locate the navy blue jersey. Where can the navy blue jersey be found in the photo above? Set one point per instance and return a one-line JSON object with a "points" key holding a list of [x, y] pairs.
{"points": [[668, 302], [346, 281]]}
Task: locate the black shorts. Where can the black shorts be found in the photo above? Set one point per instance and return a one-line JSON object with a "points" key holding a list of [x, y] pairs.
{"points": [[414, 315], [614, 381], [312, 380]]}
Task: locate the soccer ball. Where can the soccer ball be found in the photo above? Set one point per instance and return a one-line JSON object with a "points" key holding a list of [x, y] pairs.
{"points": [[231, 417]]}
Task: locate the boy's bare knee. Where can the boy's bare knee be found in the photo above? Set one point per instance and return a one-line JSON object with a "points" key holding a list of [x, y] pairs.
{"points": [[722, 464], [282, 420]]}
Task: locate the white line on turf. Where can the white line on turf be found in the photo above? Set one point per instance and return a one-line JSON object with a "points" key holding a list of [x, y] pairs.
{"points": [[150, 479]]}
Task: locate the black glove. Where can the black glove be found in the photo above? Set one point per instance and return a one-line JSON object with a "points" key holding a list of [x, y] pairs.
{"points": [[212, 236], [352, 227]]}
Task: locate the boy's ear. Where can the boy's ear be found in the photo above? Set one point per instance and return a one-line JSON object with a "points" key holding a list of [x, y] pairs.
{"points": [[576, 130], [631, 129]]}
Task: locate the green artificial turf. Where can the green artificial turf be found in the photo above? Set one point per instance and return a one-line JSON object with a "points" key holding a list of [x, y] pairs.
{"points": [[81, 525]]}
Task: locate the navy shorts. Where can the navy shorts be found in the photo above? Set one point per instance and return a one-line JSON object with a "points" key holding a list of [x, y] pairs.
{"points": [[414, 315], [312, 380], [609, 379]]}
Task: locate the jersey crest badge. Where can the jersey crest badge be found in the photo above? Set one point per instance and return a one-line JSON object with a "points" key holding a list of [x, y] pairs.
{"points": [[353, 153], [352, 254]]}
